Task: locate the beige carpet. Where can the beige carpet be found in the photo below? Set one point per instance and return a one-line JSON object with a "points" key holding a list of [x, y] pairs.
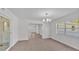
{"points": [[39, 44]]}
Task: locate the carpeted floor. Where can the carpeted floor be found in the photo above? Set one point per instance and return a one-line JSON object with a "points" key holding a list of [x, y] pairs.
{"points": [[39, 44]]}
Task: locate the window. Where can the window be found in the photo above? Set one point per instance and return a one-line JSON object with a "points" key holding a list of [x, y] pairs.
{"points": [[68, 29]]}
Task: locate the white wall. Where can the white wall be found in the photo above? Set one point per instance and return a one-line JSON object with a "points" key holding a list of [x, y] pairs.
{"points": [[46, 29], [24, 28], [66, 39], [13, 25]]}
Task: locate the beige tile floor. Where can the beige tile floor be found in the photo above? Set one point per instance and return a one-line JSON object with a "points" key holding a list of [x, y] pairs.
{"points": [[38, 44]]}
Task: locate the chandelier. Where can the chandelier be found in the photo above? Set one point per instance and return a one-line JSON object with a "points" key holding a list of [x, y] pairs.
{"points": [[46, 19]]}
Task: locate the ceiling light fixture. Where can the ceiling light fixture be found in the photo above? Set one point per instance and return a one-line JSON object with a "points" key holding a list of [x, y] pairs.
{"points": [[46, 19]]}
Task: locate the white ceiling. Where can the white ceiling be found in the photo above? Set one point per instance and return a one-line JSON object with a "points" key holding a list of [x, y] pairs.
{"points": [[38, 13]]}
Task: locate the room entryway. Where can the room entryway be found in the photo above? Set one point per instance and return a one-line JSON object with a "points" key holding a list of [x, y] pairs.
{"points": [[35, 30], [4, 33]]}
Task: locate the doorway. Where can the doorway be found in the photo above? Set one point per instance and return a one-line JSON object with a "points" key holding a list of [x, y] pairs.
{"points": [[35, 30], [4, 33]]}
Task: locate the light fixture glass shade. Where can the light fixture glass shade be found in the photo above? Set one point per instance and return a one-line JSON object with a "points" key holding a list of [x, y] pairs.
{"points": [[47, 20], [44, 20]]}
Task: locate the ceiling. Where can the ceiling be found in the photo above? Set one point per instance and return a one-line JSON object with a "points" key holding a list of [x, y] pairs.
{"points": [[39, 13]]}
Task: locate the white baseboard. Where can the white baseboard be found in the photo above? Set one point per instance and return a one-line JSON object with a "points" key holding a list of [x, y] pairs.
{"points": [[66, 43], [11, 46], [23, 39], [15, 43]]}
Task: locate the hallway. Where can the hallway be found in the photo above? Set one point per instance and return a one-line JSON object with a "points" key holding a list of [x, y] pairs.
{"points": [[38, 44]]}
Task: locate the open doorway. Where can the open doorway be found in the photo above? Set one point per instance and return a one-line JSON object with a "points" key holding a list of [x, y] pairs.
{"points": [[35, 30], [4, 33]]}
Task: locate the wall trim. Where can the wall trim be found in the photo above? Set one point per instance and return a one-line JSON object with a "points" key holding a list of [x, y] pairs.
{"points": [[11, 46], [65, 43]]}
